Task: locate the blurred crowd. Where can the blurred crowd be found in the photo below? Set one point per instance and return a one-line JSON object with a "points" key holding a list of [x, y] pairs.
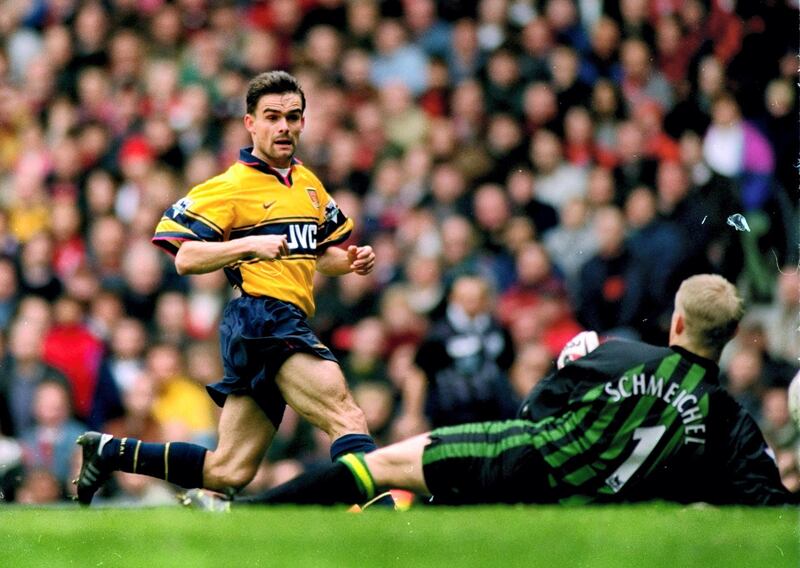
{"points": [[524, 169]]}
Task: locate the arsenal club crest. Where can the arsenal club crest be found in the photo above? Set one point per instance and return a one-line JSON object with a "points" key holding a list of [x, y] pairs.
{"points": [[312, 194]]}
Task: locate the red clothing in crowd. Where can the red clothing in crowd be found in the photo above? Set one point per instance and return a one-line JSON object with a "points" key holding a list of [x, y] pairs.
{"points": [[74, 351]]}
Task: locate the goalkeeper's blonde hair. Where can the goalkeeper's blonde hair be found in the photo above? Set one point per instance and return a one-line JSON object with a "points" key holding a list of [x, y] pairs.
{"points": [[712, 309]]}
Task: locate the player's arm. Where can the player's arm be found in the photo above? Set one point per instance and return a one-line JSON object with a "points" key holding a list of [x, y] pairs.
{"points": [[751, 476], [200, 257], [335, 261]]}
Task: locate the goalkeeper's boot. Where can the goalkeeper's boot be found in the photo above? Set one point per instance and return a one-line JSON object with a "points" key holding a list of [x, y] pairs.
{"points": [[205, 500], [95, 470], [384, 500]]}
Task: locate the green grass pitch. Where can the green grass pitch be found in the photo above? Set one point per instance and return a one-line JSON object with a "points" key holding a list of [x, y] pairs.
{"points": [[643, 536]]}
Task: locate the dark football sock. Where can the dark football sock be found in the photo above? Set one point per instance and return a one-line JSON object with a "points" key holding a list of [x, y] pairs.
{"points": [[177, 462], [348, 481], [352, 444]]}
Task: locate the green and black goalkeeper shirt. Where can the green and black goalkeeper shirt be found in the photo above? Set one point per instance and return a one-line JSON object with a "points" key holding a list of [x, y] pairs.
{"points": [[631, 421]]}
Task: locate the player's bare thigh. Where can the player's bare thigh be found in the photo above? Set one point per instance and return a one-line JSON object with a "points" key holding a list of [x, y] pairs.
{"points": [[399, 466], [317, 390], [245, 432]]}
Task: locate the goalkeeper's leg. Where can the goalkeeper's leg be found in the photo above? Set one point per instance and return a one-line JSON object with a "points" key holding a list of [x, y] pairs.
{"points": [[354, 478]]}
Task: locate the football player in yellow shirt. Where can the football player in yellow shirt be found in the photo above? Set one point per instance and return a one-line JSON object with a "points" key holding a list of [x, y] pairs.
{"points": [[269, 223]]}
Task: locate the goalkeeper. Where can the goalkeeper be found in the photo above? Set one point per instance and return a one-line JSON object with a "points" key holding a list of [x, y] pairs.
{"points": [[627, 422]]}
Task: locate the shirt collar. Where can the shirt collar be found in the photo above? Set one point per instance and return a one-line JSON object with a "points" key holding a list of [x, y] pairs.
{"points": [[247, 158], [707, 364]]}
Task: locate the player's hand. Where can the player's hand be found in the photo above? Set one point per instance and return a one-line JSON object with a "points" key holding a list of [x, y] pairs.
{"points": [[362, 259], [268, 247]]}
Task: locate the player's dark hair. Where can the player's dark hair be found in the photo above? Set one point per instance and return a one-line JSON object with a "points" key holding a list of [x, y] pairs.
{"points": [[270, 83]]}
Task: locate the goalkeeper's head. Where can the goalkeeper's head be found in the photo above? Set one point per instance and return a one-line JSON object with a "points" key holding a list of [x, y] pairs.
{"points": [[707, 311]]}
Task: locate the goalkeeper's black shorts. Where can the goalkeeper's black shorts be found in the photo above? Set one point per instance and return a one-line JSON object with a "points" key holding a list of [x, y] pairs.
{"points": [[486, 462]]}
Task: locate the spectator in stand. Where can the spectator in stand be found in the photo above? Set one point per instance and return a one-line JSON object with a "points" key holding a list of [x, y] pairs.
{"points": [[36, 271], [9, 291], [492, 213], [607, 110], [612, 283], [634, 21], [536, 39], [733, 147], [143, 271], [465, 58], [377, 400], [206, 299], [424, 288], [633, 167], [106, 247], [672, 57], [521, 187], [745, 379], [782, 131], [505, 146], [492, 24], [502, 86], [580, 146], [460, 253], [462, 362], [405, 123], [427, 30], [661, 250], [366, 350], [397, 59], [138, 421], [323, 51], [71, 348], [8, 242], [69, 248], [120, 366], [640, 81], [603, 60], [532, 363], [572, 242], [556, 180], [49, 443], [562, 16], [38, 487], [435, 101], [448, 192], [540, 108], [535, 279], [181, 408], [570, 89], [469, 120], [658, 145], [362, 21], [171, 318], [600, 189], [780, 319], [20, 375], [404, 327], [779, 430]]}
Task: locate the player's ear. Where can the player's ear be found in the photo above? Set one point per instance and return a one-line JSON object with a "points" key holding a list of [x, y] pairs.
{"points": [[248, 122], [680, 325]]}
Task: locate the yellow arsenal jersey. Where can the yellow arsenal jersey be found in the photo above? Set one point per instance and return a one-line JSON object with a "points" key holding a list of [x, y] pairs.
{"points": [[252, 198]]}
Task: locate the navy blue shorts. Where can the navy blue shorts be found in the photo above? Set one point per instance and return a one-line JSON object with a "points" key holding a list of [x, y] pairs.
{"points": [[256, 337]]}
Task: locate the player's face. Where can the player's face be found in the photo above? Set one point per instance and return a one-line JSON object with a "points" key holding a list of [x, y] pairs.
{"points": [[275, 128]]}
